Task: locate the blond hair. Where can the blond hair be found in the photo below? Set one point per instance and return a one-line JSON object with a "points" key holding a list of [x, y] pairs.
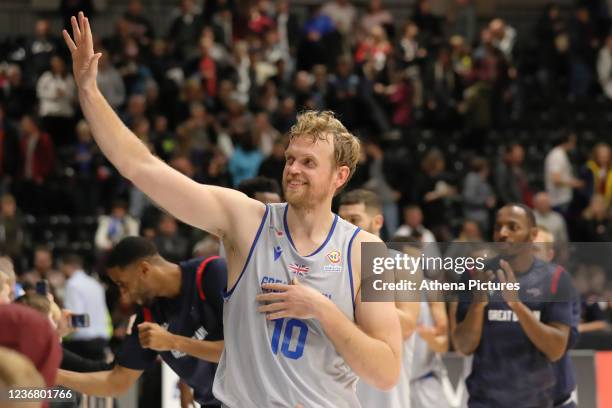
{"points": [[318, 125]]}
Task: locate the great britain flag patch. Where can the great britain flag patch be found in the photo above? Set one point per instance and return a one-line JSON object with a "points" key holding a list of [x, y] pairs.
{"points": [[299, 269]]}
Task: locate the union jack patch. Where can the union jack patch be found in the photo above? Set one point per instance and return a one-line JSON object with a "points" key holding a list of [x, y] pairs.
{"points": [[299, 269]]}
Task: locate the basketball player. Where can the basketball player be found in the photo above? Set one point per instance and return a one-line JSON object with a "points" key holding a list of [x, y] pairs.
{"points": [[514, 338], [565, 394], [179, 317], [311, 336], [363, 208]]}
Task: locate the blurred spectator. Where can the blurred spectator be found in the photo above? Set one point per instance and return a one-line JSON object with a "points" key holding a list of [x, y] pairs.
{"points": [[12, 230], [376, 15], [18, 96], [443, 90], [246, 159], [470, 232], [343, 90], [604, 67], [464, 19], [504, 37], [379, 184], [223, 25], [595, 223], [549, 219], [318, 36], [374, 49], [6, 267], [139, 25], [344, 15], [172, 246], [435, 188], [17, 323], [272, 167], [5, 289], [288, 26], [9, 151], [185, 29], [37, 158], [57, 94], [110, 82], [86, 163], [262, 189], [136, 75], [413, 225], [41, 49], [558, 173], [85, 295], [114, 227], [584, 46], [477, 194], [593, 317], [511, 185], [264, 133], [43, 269], [430, 25], [596, 176]]}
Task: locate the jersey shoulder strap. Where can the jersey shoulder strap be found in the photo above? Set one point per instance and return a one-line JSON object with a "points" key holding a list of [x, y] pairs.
{"points": [[200, 274], [146, 313], [554, 284]]}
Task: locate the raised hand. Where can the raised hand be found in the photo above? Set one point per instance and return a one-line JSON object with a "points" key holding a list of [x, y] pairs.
{"points": [[84, 61]]}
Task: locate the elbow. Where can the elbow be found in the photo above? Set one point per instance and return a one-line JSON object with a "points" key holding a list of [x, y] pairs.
{"points": [[387, 382], [555, 355]]}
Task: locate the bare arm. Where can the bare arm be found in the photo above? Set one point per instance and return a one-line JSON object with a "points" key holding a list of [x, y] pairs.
{"points": [[436, 337], [593, 326], [213, 209], [550, 339], [154, 337], [202, 349], [408, 313], [102, 383], [468, 332], [374, 352]]}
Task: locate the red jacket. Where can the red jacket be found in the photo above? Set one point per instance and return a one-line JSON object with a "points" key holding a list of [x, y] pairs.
{"points": [[43, 157]]}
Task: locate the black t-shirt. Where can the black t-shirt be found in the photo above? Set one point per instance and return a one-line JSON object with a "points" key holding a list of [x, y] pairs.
{"points": [[507, 366], [186, 315]]}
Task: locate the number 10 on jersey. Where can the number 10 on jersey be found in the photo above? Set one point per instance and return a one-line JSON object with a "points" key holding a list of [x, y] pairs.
{"points": [[293, 326]]}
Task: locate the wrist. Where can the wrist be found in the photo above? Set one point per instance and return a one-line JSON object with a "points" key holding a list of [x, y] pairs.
{"points": [[88, 90], [322, 310], [174, 342]]}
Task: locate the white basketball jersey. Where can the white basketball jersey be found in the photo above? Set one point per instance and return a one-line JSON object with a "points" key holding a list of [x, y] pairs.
{"points": [[398, 396], [286, 362]]}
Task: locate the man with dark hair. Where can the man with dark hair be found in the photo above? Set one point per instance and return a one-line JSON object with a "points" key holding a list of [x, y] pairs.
{"points": [[85, 295], [262, 189], [515, 335], [179, 317], [363, 208]]}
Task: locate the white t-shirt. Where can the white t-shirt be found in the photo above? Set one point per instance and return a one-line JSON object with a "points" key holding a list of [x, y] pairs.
{"points": [[558, 162]]}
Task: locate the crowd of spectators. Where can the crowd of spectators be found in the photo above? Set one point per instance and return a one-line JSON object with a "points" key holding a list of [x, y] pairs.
{"points": [[441, 104]]}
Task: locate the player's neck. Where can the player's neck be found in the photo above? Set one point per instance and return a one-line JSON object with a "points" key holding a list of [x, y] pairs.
{"points": [[170, 281], [309, 224]]}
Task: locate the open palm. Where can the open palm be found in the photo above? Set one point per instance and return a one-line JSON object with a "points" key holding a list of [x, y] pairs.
{"points": [[84, 61]]}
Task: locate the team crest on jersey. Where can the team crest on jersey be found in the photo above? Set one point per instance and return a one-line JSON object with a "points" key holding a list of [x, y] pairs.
{"points": [[299, 269], [535, 292], [334, 256]]}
